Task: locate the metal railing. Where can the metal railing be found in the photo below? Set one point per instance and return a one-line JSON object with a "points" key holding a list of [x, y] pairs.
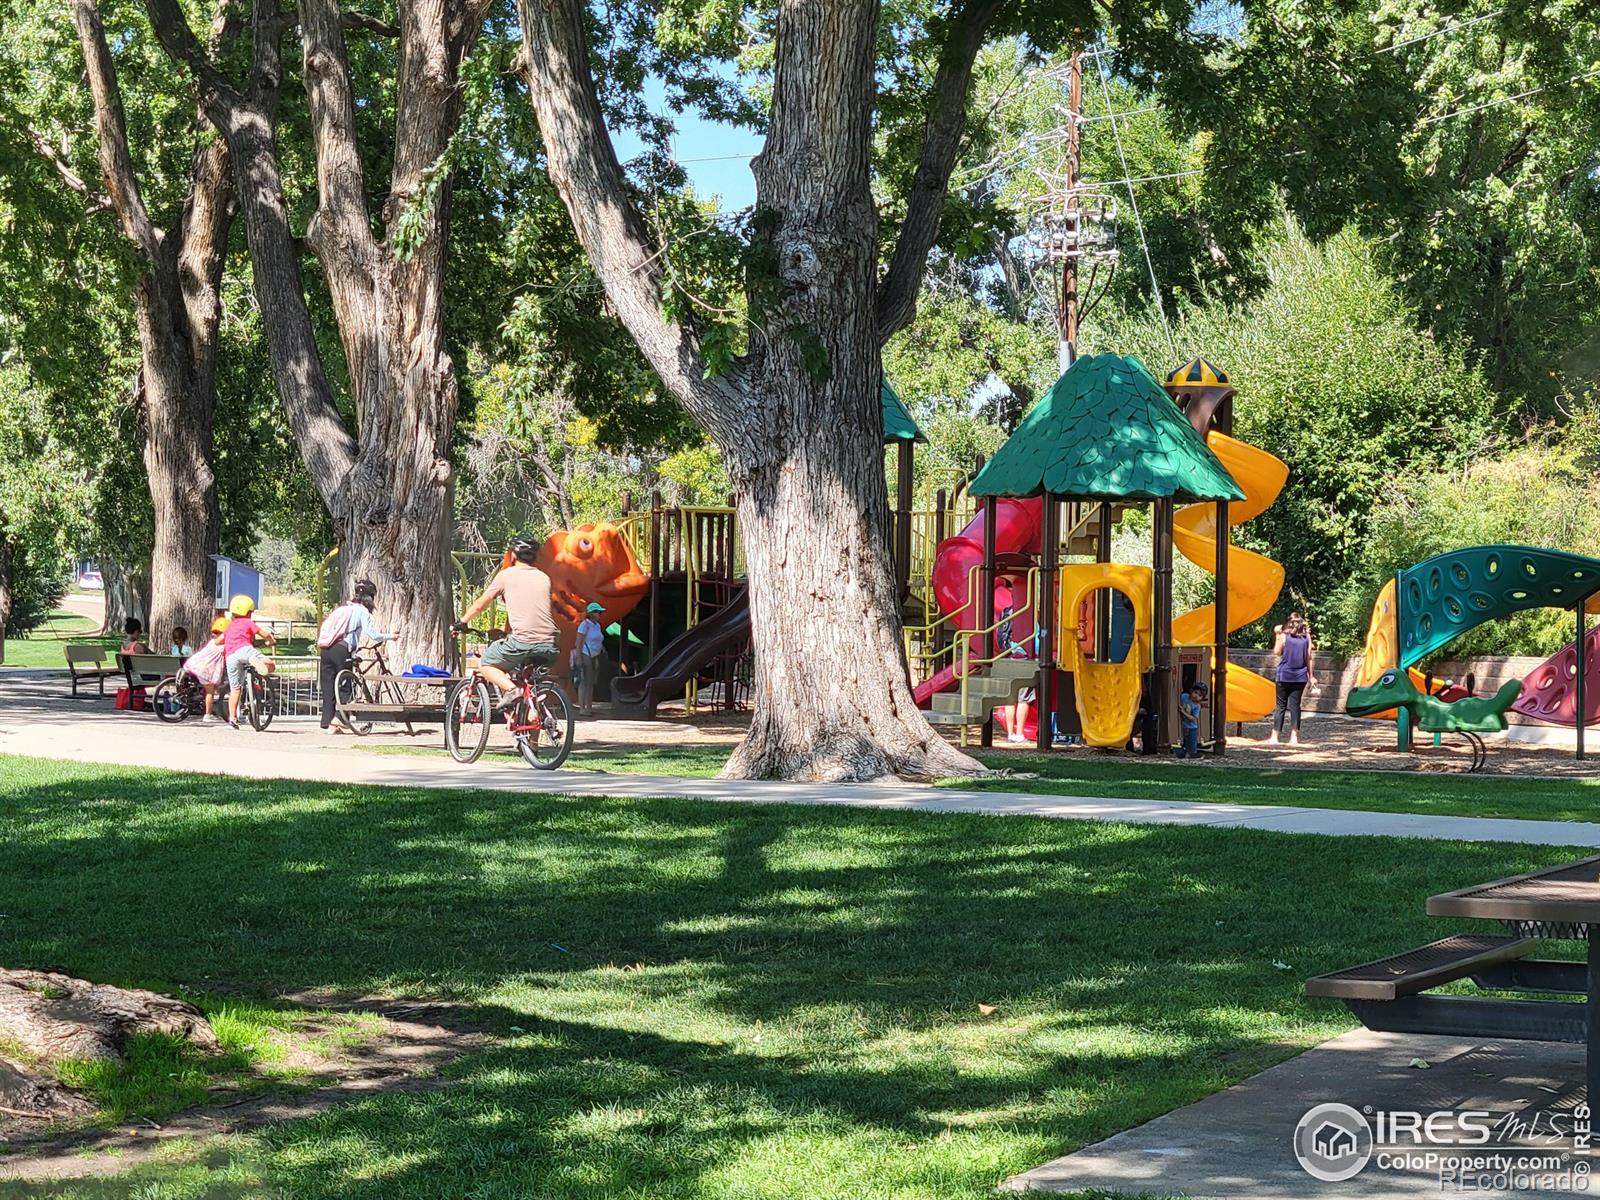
{"points": [[964, 640]]}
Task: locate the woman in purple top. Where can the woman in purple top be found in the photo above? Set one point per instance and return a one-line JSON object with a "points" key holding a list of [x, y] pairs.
{"points": [[1291, 642]]}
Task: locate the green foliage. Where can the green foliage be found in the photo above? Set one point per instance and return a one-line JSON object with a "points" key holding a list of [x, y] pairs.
{"points": [[1334, 378], [1462, 140], [1543, 493], [43, 503]]}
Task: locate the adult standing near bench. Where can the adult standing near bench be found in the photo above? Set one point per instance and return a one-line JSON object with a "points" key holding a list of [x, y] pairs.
{"points": [[338, 639]]}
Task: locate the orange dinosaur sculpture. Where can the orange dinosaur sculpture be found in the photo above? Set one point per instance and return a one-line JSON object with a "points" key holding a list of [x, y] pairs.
{"points": [[589, 563]]}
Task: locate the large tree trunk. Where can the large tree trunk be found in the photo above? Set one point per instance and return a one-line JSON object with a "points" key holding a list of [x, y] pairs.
{"points": [[178, 309], [388, 488], [127, 594], [834, 700], [798, 421]]}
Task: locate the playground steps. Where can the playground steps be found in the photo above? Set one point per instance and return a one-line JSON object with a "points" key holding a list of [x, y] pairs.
{"points": [[995, 687]]}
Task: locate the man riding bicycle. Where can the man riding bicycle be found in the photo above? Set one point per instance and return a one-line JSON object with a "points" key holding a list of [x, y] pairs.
{"points": [[525, 591]]}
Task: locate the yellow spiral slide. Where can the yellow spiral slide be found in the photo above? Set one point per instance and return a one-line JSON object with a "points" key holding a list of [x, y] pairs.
{"points": [[1254, 580]]}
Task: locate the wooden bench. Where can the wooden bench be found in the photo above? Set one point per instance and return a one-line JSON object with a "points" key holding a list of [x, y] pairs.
{"points": [[88, 663], [147, 670]]}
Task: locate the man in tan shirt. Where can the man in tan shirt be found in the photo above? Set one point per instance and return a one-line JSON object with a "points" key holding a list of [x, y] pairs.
{"points": [[525, 591]]}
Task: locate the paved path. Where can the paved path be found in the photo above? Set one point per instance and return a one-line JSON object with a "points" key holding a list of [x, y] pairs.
{"points": [[35, 720], [1239, 1143]]}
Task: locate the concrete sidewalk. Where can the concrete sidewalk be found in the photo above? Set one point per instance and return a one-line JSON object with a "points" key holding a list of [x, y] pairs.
{"points": [[35, 721], [1238, 1144]]}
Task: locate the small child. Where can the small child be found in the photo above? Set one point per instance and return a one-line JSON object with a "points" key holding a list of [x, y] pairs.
{"points": [[180, 647], [208, 667], [1189, 715]]}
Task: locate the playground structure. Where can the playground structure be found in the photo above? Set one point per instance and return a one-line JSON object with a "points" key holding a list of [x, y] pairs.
{"points": [[1107, 438], [1428, 605]]}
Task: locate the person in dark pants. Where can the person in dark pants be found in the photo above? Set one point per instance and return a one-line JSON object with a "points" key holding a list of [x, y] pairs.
{"points": [[1291, 642], [343, 629]]}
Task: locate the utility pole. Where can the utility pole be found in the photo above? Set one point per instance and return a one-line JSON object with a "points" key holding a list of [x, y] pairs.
{"points": [[1072, 225]]}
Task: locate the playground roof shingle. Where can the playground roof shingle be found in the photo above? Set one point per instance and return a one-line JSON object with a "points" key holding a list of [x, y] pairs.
{"points": [[1107, 431], [898, 425]]}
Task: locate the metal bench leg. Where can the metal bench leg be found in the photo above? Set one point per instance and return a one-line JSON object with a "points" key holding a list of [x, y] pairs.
{"points": [[1592, 1072]]}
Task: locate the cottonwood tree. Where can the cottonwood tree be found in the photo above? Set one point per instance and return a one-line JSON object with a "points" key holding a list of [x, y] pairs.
{"points": [[175, 239], [796, 415], [386, 482]]}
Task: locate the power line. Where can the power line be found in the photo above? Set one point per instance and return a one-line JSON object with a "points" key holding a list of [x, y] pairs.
{"points": [[1133, 203], [1461, 112], [1451, 28]]}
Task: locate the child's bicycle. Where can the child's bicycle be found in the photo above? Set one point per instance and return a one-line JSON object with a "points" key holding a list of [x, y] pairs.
{"points": [[259, 700], [178, 696], [538, 716]]}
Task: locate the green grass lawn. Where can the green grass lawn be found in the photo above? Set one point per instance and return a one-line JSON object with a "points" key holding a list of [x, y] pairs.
{"points": [[700, 1000], [44, 646], [1131, 777]]}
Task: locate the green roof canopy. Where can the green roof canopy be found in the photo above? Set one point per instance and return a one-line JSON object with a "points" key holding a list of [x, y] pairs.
{"points": [[1107, 431], [897, 423]]}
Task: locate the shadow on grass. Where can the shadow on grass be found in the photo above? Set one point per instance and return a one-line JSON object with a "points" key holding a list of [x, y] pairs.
{"points": [[707, 999]]}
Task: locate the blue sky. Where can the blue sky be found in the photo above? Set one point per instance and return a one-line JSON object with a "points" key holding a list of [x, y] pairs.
{"points": [[716, 157]]}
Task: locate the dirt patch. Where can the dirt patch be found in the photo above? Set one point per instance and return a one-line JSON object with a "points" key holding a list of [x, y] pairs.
{"points": [[405, 1053]]}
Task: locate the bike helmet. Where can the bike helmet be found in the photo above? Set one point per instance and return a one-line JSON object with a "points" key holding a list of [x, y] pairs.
{"points": [[241, 606], [219, 624], [524, 548]]}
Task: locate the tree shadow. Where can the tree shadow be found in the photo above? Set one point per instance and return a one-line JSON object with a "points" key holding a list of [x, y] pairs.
{"points": [[688, 990]]}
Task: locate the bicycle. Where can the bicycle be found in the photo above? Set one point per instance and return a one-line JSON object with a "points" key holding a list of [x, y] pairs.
{"points": [[538, 716], [177, 697], [351, 687], [259, 699]]}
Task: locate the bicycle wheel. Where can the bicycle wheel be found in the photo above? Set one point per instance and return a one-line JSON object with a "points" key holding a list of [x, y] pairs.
{"points": [[351, 688], [548, 741], [170, 704], [258, 696], [467, 721]]}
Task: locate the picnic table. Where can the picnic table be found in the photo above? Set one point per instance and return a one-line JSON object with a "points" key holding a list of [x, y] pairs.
{"points": [[382, 697], [1560, 903]]}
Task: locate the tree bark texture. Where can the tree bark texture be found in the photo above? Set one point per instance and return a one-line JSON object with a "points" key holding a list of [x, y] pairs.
{"points": [[51, 1017], [127, 594], [178, 310], [388, 485], [28, 1092], [798, 419]]}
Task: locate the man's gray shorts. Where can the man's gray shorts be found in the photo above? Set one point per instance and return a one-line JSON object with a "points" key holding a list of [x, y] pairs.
{"points": [[509, 654]]}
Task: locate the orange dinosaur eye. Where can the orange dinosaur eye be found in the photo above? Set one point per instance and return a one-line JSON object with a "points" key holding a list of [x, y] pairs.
{"points": [[585, 545]]}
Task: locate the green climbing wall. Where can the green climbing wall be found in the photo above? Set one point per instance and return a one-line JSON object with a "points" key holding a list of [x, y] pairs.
{"points": [[1444, 596]]}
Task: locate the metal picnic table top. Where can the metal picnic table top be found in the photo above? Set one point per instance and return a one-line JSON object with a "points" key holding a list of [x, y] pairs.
{"points": [[1559, 901]]}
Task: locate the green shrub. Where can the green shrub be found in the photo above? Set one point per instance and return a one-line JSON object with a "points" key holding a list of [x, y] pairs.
{"points": [[1542, 493]]}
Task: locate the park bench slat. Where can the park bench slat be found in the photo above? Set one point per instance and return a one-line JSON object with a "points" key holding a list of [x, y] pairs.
{"points": [[391, 710], [1414, 971], [86, 665]]}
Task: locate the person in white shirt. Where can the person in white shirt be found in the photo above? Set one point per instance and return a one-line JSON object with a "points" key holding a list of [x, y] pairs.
{"points": [[335, 658], [586, 657]]}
